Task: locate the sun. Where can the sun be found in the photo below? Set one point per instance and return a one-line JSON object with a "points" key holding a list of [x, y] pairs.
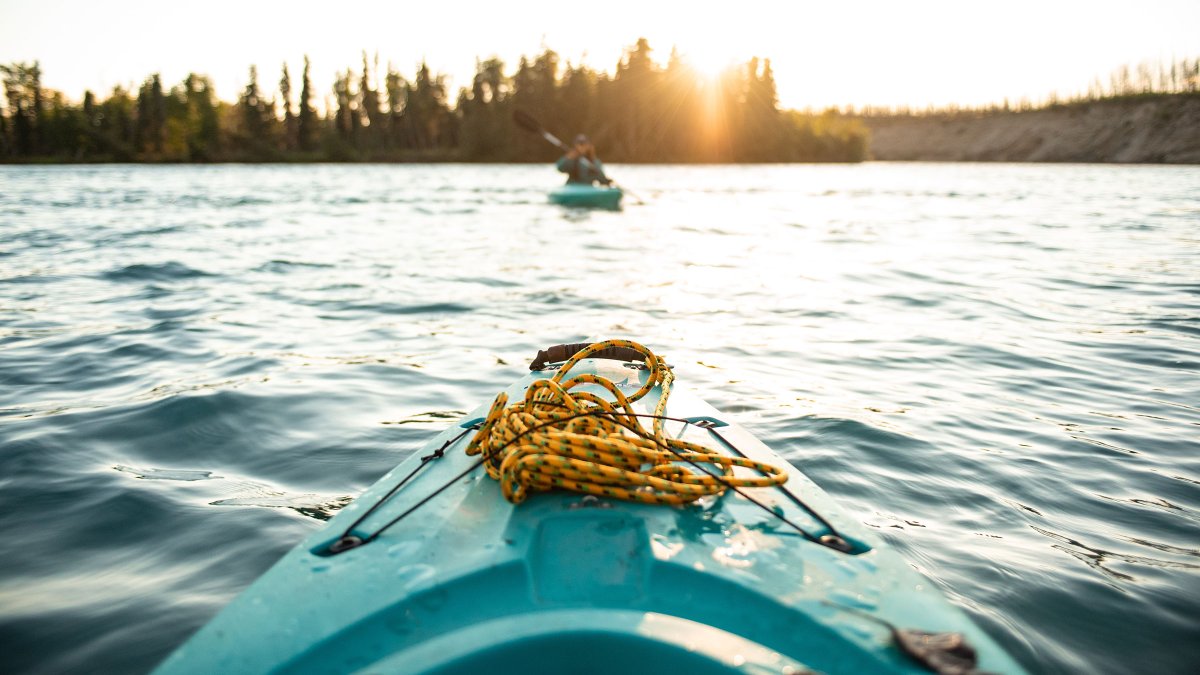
{"points": [[708, 64]]}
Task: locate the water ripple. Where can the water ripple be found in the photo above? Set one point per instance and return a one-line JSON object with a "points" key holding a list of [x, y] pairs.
{"points": [[993, 366], [167, 271]]}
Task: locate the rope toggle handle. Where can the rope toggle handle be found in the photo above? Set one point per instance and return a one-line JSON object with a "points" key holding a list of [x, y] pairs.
{"points": [[559, 353]]}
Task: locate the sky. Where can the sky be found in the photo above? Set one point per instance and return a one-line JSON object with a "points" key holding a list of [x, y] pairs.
{"points": [[898, 52]]}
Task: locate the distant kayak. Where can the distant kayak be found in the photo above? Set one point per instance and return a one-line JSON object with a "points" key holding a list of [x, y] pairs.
{"points": [[594, 196], [709, 554]]}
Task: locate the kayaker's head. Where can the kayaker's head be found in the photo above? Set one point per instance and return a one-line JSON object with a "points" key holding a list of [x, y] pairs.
{"points": [[583, 145]]}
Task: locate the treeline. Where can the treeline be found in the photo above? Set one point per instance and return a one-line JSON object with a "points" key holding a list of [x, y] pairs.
{"points": [[642, 112], [1145, 80]]}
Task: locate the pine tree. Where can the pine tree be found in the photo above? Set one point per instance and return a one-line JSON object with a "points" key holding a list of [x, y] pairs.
{"points": [[426, 118], [151, 117], [306, 116], [202, 135], [289, 120], [371, 117], [22, 87], [397, 99], [256, 116], [346, 120], [485, 133]]}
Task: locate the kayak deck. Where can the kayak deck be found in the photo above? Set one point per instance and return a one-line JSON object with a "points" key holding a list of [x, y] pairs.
{"points": [[567, 582]]}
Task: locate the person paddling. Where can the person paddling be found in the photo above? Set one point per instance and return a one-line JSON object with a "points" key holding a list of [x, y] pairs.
{"points": [[581, 164]]}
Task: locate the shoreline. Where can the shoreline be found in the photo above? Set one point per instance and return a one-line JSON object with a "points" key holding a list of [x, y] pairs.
{"points": [[1152, 129]]}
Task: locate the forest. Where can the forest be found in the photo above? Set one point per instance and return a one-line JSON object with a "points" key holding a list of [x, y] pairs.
{"points": [[641, 112]]}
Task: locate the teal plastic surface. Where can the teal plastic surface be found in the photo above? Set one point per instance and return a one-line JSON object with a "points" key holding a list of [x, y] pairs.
{"points": [[587, 196], [469, 583]]}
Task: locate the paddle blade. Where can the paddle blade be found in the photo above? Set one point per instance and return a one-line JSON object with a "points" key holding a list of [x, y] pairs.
{"points": [[526, 122]]}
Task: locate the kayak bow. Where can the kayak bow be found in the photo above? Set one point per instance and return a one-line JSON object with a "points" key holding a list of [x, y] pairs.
{"points": [[432, 570]]}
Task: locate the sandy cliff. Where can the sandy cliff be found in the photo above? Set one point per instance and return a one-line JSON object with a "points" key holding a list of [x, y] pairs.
{"points": [[1162, 129]]}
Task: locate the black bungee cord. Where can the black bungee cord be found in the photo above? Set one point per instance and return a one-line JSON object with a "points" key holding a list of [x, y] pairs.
{"points": [[348, 540]]}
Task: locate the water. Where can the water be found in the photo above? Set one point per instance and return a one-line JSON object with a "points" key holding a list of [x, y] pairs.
{"points": [[995, 366]]}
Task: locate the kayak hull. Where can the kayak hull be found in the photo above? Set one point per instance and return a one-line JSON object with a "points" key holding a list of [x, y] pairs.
{"points": [[572, 583], [587, 196]]}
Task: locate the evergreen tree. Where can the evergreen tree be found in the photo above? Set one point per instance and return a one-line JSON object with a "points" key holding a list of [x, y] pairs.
{"points": [[346, 120], [62, 129], [22, 87], [760, 130], [397, 99], [371, 116], [151, 117], [577, 99], [256, 116], [5, 143], [426, 119], [35, 84], [535, 91], [681, 111], [91, 118], [306, 116], [117, 125], [484, 115], [289, 120], [194, 121], [636, 82]]}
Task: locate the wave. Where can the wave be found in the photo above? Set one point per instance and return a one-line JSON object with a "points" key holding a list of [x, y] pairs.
{"points": [[168, 271]]}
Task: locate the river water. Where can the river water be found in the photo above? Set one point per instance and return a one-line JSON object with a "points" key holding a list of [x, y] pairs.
{"points": [[995, 366]]}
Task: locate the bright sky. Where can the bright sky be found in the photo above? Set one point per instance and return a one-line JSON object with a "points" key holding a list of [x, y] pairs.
{"points": [[886, 52]]}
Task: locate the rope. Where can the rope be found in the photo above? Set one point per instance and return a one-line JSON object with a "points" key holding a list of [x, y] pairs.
{"points": [[579, 441]]}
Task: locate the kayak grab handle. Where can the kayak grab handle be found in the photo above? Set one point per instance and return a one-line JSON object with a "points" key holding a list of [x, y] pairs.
{"points": [[559, 353]]}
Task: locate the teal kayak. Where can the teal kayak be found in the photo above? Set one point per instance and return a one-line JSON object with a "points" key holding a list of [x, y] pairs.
{"points": [[433, 570], [594, 196]]}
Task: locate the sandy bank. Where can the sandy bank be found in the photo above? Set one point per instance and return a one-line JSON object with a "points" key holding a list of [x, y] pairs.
{"points": [[1164, 129]]}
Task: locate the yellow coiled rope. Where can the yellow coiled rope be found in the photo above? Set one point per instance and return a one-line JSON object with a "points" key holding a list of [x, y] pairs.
{"points": [[556, 438]]}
